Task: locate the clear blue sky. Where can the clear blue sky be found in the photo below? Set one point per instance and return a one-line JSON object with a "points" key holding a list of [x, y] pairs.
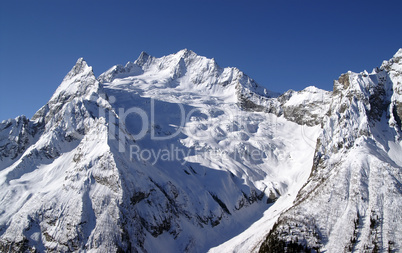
{"points": [[281, 44]]}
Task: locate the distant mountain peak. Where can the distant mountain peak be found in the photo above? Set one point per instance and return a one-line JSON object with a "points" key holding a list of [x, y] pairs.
{"points": [[80, 67], [143, 58], [398, 54], [184, 53], [80, 80]]}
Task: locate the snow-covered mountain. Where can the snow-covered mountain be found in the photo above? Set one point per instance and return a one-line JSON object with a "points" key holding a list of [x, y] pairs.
{"points": [[176, 154], [353, 197]]}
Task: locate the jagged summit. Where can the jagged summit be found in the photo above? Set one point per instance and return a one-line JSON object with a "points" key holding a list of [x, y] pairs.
{"points": [[79, 67], [398, 54], [186, 53], [80, 79], [143, 58], [185, 71]]}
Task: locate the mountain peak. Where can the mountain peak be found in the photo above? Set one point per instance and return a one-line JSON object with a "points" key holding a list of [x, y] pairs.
{"points": [[398, 54], [184, 53], [143, 58], [80, 67], [81, 61], [77, 81], [185, 69]]}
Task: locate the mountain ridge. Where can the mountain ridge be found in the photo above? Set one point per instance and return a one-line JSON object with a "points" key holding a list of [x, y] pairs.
{"points": [[349, 164], [178, 154]]}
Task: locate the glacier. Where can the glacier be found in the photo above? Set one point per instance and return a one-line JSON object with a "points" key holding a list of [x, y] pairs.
{"points": [[176, 154]]}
